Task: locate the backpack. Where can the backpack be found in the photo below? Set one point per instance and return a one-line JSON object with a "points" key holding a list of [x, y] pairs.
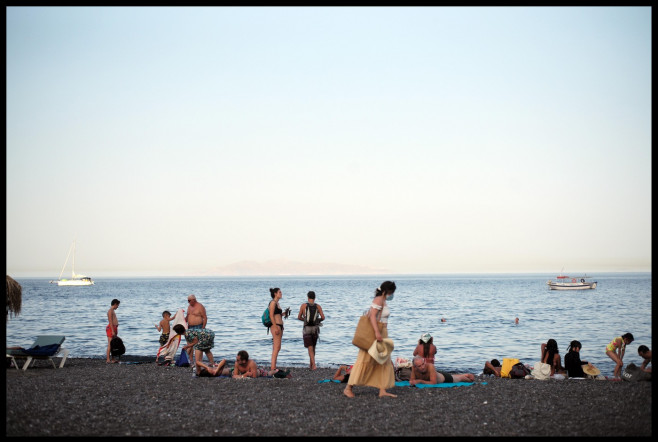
{"points": [[183, 361], [519, 371], [116, 346], [265, 318], [311, 317]]}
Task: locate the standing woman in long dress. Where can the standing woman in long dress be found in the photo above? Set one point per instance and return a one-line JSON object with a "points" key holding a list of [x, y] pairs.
{"points": [[366, 370]]}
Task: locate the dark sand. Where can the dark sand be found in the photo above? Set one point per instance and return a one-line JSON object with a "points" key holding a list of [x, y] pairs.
{"points": [[91, 398]]}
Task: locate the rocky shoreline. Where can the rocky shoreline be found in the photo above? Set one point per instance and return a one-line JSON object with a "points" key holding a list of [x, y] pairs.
{"points": [[139, 398]]}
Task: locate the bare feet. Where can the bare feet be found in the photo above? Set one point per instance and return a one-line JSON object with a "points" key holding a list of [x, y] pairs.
{"points": [[315, 367], [348, 392], [384, 393]]}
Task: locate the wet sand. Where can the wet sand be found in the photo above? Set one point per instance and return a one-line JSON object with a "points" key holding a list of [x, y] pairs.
{"points": [[91, 398]]}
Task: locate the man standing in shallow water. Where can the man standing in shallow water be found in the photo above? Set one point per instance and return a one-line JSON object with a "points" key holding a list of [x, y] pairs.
{"points": [[112, 328], [196, 319]]}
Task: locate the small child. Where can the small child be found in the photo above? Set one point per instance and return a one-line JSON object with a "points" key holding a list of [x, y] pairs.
{"points": [[164, 327]]}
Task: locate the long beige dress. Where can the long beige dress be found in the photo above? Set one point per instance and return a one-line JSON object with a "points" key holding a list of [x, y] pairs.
{"points": [[367, 371]]}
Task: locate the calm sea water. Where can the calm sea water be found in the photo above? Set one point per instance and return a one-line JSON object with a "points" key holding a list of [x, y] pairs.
{"points": [[479, 312]]}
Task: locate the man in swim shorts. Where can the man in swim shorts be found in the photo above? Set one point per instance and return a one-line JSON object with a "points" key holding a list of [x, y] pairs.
{"points": [[423, 372], [196, 319], [112, 328], [202, 341]]}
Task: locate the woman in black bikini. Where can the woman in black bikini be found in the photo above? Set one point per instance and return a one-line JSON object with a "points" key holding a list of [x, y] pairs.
{"points": [[277, 324]]}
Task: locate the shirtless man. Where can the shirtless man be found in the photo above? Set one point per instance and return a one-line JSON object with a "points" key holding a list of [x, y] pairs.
{"points": [[196, 319], [112, 328], [424, 373], [247, 368]]}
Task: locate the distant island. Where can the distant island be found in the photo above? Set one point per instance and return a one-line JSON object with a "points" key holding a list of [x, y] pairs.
{"points": [[281, 267]]}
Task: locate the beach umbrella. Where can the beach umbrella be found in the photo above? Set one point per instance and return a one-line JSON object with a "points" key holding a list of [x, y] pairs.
{"points": [[14, 297]]}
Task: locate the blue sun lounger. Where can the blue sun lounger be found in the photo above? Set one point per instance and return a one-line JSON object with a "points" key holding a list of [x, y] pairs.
{"points": [[44, 347]]}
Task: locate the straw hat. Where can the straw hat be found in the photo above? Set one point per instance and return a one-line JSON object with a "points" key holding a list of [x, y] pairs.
{"points": [[591, 370], [426, 338], [381, 351]]}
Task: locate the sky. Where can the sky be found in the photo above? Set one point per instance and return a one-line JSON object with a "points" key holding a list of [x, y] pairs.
{"points": [[178, 140]]}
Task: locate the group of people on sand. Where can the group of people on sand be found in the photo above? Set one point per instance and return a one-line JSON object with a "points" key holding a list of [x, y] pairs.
{"points": [[200, 339], [366, 370], [573, 366]]}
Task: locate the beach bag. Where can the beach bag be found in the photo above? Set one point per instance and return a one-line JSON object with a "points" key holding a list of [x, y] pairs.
{"points": [[519, 371], [364, 335], [402, 374], [508, 363], [541, 371], [183, 361], [633, 373], [116, 346]]}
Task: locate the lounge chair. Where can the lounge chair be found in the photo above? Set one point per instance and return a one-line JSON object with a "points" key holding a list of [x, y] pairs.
{"points": [[44, 347]]}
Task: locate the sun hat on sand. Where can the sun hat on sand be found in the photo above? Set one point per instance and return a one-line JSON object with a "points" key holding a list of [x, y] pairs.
{"points": [[591, 370]]}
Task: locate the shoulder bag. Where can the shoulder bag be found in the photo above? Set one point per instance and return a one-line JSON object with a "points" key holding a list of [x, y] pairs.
{"points": [[364, 334]]}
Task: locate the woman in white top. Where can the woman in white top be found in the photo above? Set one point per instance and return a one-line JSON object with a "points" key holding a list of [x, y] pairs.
{"points": [[366, 370]]}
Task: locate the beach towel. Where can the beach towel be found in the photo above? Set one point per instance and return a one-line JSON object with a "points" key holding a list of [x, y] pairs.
{"points": [[322, 381], [42, 350], [442, 385], [171, 347]]}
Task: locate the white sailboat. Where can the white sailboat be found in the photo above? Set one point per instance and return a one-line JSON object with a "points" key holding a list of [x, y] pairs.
{"points": [[75, 279]]}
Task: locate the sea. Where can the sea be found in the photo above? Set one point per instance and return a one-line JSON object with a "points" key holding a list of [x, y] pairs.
{"points": [[470, 316]]}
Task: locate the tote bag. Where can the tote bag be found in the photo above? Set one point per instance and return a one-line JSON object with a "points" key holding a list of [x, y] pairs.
{"points": [[364, 334]]}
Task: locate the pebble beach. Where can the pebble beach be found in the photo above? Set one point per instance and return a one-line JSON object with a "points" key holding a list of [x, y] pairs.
{"points": [[88, 397]]}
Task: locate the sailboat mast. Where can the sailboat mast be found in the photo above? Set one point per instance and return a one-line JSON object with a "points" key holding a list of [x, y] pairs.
{"points": [[67, 260], [73, 266]]}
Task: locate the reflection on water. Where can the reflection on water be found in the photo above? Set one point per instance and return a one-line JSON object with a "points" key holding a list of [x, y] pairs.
{"points": [[479, 312]]}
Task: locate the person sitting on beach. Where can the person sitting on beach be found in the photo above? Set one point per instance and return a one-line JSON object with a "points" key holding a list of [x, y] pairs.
{"points": [[615, 351], [426, 348], [247, 368], [210, 370], [202, 341], [492, 367], [342, 374], [572, 362], [551, 355], [422, 372], [645, 354]]}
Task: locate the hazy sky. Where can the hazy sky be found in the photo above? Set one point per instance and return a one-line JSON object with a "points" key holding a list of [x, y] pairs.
{"points": [[172, 140]]}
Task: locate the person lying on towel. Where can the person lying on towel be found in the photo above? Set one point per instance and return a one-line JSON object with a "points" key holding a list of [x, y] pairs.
{"points": [[423, 372]]}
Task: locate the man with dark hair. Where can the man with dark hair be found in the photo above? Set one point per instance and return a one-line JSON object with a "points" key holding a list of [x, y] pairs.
{"points": [[492, 367], [645, 353], [312, 315], [112, 329]]}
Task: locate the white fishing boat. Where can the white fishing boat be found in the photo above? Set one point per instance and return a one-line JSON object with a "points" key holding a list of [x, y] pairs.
{"points": [[75, 278], [565, 282]]}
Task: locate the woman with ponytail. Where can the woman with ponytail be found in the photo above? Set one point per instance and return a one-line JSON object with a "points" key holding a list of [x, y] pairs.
{"points": [[366, 370]]}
